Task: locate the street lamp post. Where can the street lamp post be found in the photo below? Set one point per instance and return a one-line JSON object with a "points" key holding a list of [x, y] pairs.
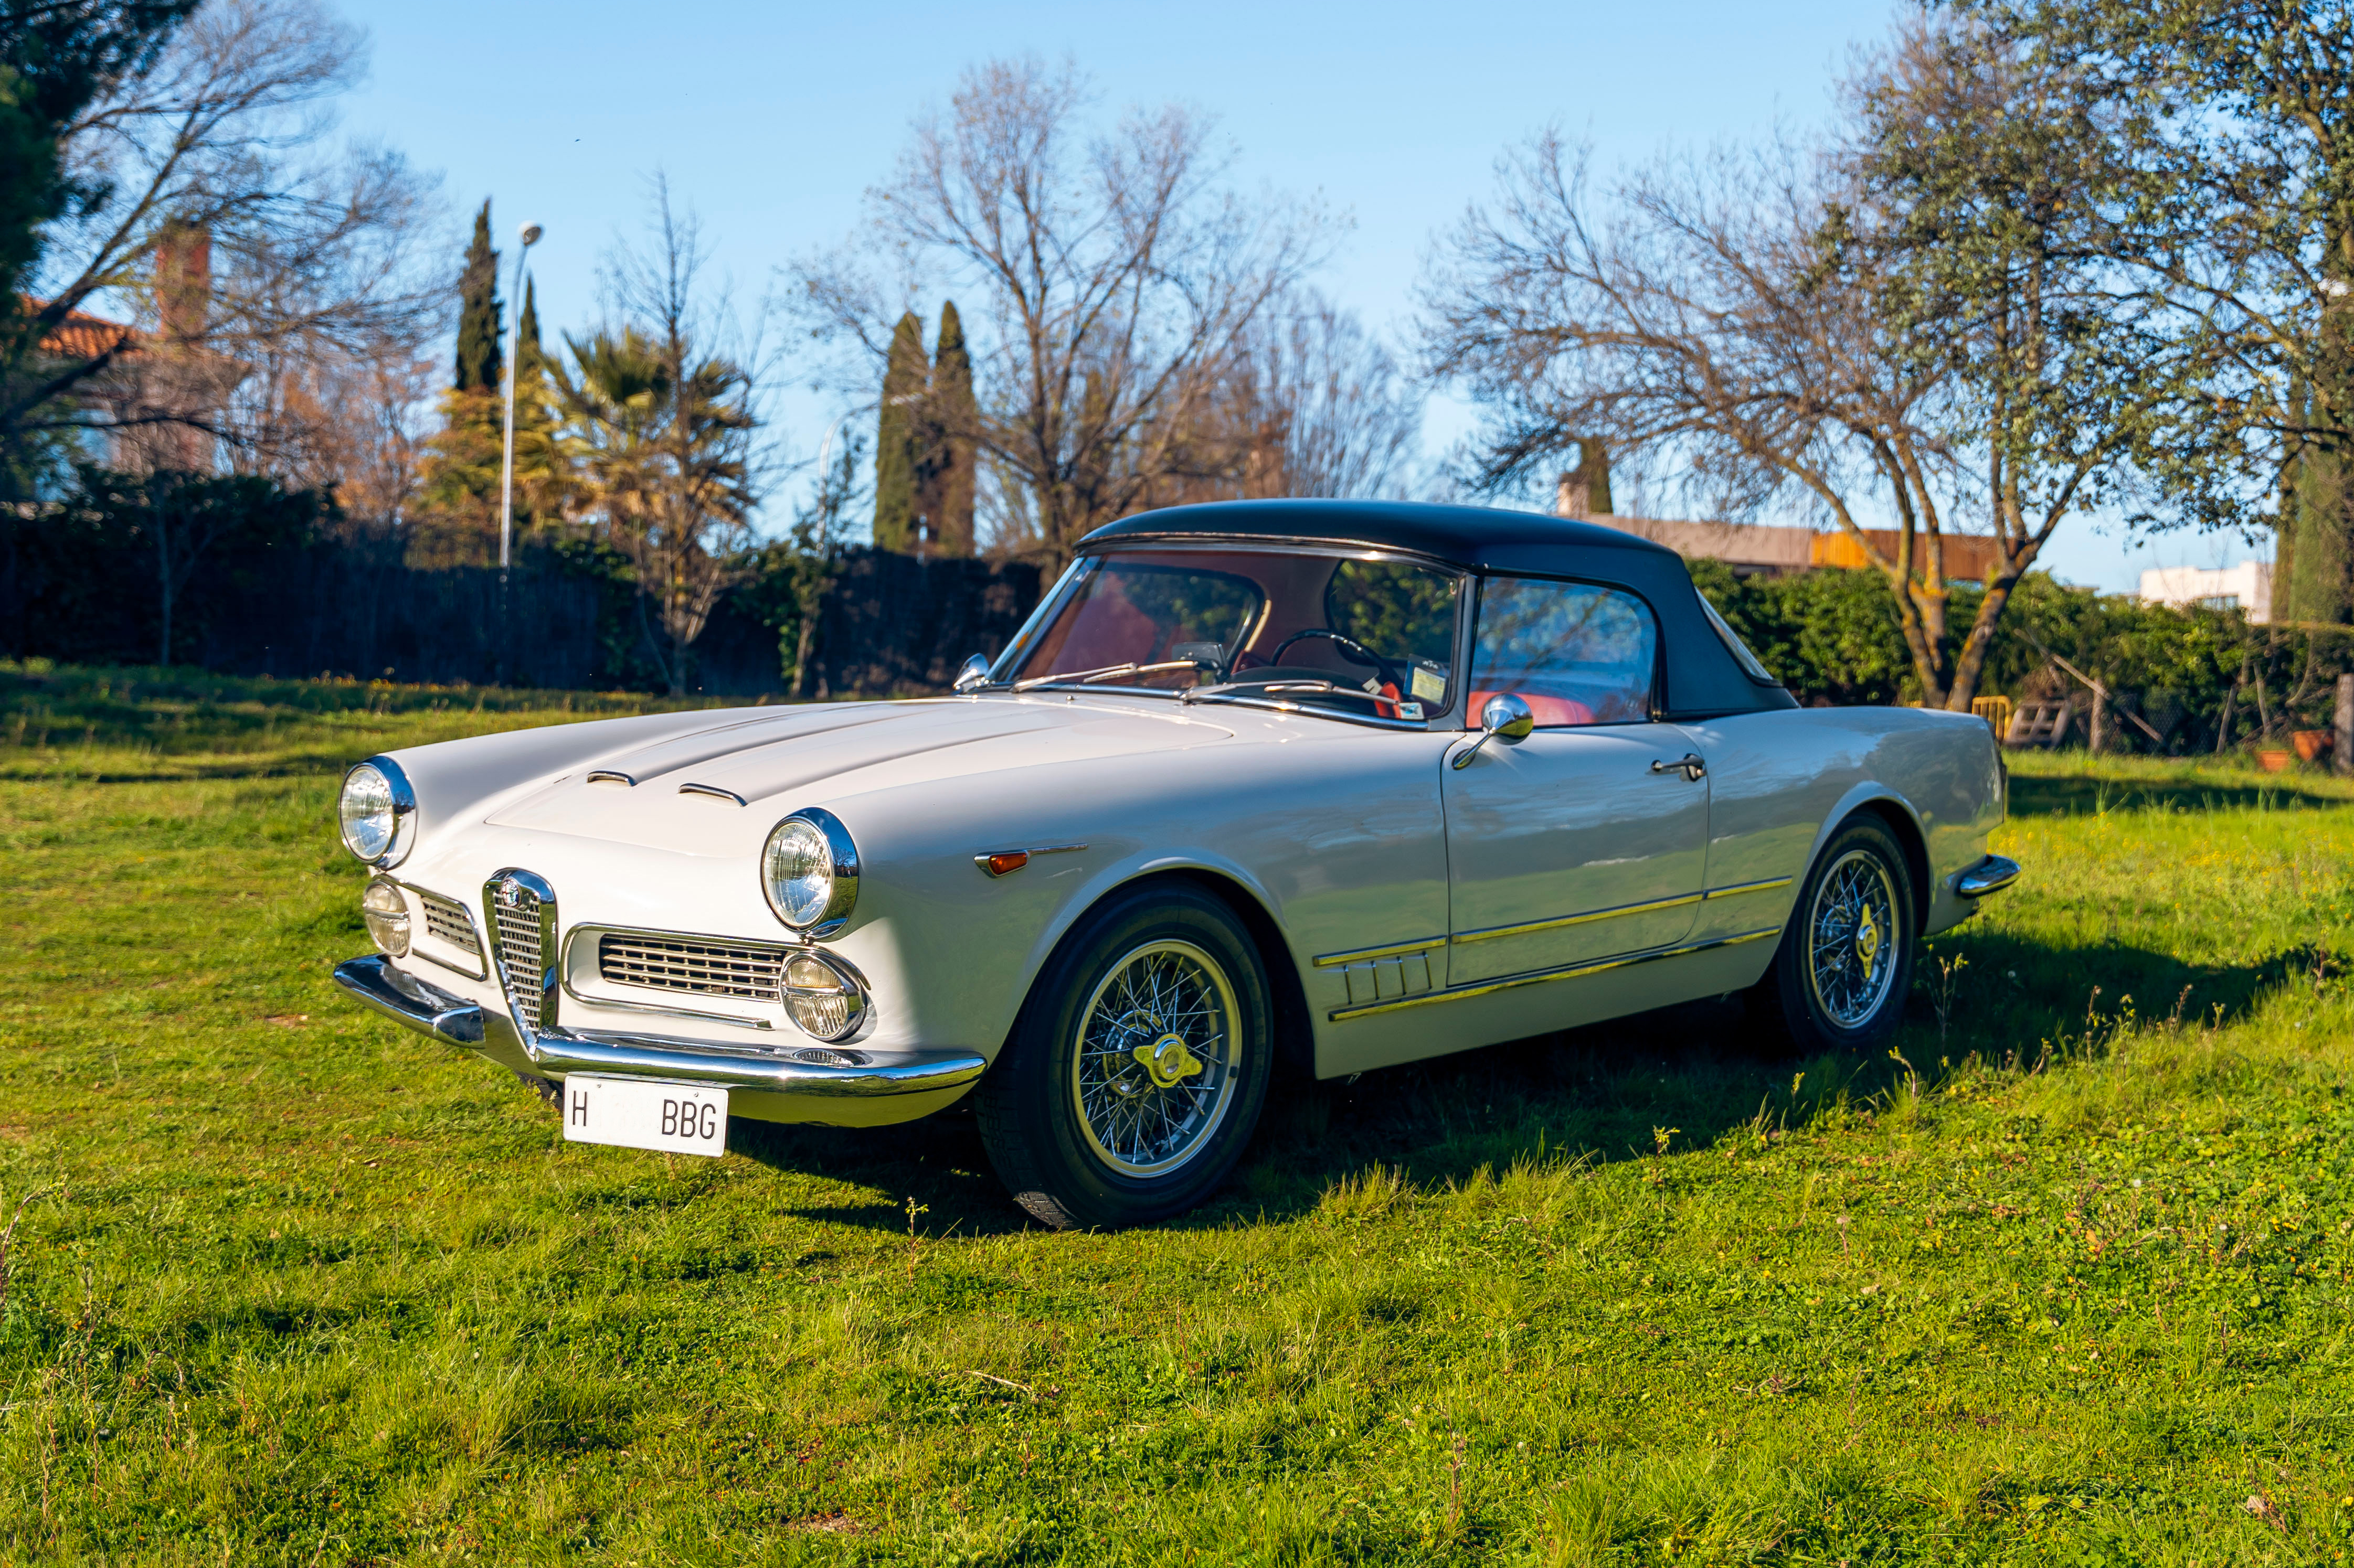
{"points": [[530, 236]]}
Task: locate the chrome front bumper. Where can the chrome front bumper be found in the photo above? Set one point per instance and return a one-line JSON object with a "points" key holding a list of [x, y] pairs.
{"points": [[836, 1085]]}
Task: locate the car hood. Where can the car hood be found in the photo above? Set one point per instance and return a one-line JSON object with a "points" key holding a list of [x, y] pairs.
{"points": [[680, 793]]}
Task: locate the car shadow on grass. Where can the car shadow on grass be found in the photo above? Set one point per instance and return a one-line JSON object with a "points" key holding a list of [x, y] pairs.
{"points": [[1594, 1094], [2070, 796], [1677, 1078]]}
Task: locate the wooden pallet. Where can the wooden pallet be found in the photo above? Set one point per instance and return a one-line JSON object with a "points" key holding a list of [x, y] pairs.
{"points": [[2043, 724]]}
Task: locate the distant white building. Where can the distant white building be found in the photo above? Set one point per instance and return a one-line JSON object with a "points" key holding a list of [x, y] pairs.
{"points": [[2247, 586]]}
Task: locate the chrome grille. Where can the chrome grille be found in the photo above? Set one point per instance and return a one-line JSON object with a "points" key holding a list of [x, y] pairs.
{"points": [[446, 918], [519, 951], [703, 968]]}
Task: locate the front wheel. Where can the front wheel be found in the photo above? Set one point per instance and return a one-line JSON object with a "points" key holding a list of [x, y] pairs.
{"points": [[1841, 977], [1136, 1069]]}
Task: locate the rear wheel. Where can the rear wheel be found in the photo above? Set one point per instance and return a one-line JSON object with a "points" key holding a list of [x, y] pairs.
{"points": [[1845, 967], [1139, 1066]]}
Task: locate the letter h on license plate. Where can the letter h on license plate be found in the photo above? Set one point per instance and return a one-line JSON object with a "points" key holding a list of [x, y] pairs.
{"points": [[676, 1118]]}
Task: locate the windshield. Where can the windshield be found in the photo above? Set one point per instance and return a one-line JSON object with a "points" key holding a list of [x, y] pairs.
{"points": [[1364, 637]]}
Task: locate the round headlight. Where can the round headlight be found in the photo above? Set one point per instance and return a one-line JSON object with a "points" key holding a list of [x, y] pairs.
{"points": [[808, 870], [376, 810], [386, 913]]}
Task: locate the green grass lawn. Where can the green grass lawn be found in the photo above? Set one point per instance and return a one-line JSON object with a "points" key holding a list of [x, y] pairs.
{"points": [[2069, 1283]]}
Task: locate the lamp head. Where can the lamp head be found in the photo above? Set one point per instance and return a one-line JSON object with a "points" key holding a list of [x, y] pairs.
{"points": [[530, 234]]}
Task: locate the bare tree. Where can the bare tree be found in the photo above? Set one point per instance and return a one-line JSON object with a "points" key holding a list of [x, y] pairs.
{"points": [[1323, 406], [248, 246], [1911, 322], [662, 430], [1123, 283], [1701, 331]]}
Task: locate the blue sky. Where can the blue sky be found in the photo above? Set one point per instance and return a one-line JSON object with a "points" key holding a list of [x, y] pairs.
{"points": [[772, 119]]}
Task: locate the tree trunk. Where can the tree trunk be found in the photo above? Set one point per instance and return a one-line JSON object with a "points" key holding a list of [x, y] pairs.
{"points": [[801, 656], [1971, 662], [163, 581]]}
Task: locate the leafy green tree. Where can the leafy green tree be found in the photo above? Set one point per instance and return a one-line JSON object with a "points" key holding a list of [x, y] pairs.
{"points": [[898, 438], [2237, 117], [1830, 636]]}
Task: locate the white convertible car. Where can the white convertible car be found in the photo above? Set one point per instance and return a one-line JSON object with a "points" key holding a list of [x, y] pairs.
{"points": [[1315, 787]]}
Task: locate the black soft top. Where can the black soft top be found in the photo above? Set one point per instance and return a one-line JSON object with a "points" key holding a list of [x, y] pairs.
{"points": [[1702, 676]]}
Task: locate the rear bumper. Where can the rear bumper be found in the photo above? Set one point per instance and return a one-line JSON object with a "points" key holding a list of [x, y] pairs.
{"points": [[840, 1086], [1991, 875]]}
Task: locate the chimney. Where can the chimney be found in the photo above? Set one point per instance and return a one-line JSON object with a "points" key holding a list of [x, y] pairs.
{"points": [[183, 281]]}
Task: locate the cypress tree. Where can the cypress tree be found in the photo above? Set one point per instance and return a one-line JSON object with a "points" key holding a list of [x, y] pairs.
{"points": [[948, 490], [528, 362], [899, 445], [480, 363]]}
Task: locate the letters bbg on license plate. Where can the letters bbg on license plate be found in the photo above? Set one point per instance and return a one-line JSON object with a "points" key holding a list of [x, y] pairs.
{"points": [[678, 1118]]}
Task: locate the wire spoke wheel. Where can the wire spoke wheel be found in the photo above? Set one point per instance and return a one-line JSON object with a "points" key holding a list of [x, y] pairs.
{"points": [[1851, 933], [1155, 1063]]}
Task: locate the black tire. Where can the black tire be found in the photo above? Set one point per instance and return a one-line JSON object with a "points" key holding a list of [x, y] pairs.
{"points": [[1156, 964], [1838, 983]]}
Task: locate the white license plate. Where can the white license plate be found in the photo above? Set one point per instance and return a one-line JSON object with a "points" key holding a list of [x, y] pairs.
{"points": [[678, 1118]]}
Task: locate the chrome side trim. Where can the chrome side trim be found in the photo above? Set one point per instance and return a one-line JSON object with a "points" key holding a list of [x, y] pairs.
{"points": [[1492, 932], [712, 791], [818, 1071], [1540, 977], [1738, 889], [1715, 893], [1991, 875], [1358, 955], [610, 776]]}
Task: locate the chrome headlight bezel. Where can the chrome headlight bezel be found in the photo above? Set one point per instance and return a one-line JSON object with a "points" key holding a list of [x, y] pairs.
{"points": [[842, 855], [402, 835]]}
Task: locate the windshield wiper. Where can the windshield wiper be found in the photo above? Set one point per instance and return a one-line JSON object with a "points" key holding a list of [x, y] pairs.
{"points": [[1108, 672], [1255, 688]]}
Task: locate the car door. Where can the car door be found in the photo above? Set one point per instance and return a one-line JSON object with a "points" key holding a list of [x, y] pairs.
{"points": [[1586, 840]]}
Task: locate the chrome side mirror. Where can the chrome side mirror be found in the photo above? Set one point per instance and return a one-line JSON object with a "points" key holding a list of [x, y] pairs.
{"points": [[1506, 718], [974, 673]]}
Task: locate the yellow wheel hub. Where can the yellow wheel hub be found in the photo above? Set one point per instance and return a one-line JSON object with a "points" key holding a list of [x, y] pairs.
{"points": [[1867, 941], [1168, 1061]]}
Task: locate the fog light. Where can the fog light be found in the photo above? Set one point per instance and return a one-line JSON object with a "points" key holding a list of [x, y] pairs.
{"points": [[386, 913], [823, 1000]]}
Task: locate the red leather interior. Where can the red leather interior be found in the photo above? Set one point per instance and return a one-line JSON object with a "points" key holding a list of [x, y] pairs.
{"points": [[1551, 712]]}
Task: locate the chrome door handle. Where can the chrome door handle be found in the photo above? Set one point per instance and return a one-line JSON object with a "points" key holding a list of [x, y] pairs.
{"points": [[1689, 765]]}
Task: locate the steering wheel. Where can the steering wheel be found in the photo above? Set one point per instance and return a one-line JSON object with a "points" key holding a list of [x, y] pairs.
{"points": [[1351, 649]]}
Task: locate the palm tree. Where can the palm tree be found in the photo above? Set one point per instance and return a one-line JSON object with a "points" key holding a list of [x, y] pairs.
{"points": [[659, 443]]}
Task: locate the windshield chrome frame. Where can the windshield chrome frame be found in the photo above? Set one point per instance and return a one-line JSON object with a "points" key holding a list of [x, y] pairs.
{"points": [[1052, 604]]}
